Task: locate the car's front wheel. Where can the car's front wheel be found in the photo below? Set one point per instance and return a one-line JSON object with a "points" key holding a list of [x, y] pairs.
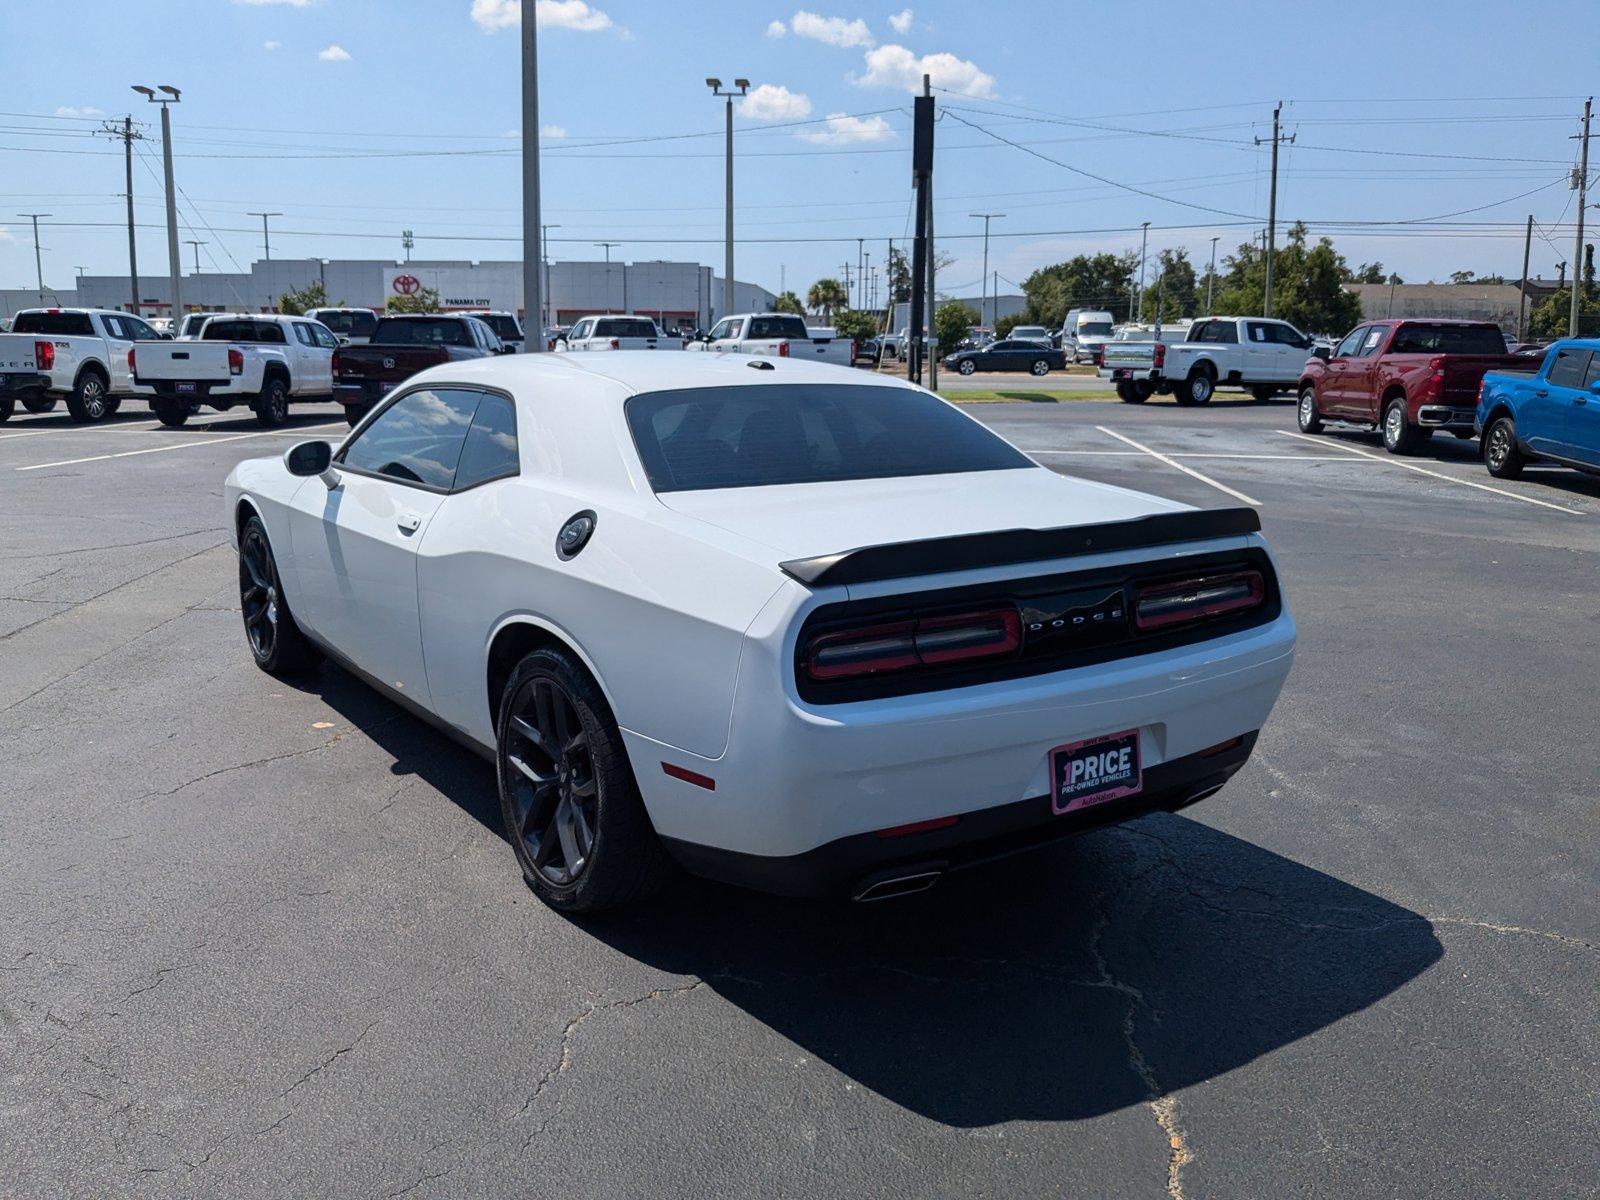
{"points": [[276, 642], [1500, 451], [1309, 419], [572, 809], [966, 366]]}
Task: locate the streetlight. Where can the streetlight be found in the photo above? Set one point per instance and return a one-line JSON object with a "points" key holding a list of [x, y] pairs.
{"points": [[174, 267], [1211, 279], [608, 246], [743, 86], [544, 257], [196, 245], [1144, 242], [266, 234], [983, 303], [38, 263]]}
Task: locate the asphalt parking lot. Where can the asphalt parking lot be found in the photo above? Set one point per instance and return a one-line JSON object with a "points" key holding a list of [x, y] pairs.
{"points": [[266, 940]]}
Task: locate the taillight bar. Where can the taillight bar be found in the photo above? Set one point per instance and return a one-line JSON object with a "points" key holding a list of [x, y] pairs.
{"points": [[235, 361], [916, 642], [1158, 358], [132, 369], [1163, 605]]}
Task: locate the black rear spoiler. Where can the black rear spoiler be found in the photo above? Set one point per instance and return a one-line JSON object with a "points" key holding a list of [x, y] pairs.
{"points": [[1007, 546]]}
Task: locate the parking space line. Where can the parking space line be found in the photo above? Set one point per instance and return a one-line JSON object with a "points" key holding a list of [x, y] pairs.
{"points": [[1410, 466], [209, 441], [1178, 466], [204, 423], [1242, 457]]}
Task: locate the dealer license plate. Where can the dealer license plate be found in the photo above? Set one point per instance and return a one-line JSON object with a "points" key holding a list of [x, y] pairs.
{"points": [[1087, 773], [185, 387]]}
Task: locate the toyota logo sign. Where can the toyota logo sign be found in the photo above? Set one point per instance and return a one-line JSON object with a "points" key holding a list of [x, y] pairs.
{"points": [[407, 285]]}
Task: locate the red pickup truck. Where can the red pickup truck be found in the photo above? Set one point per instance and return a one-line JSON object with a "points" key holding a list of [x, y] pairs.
{"points": [[400, 347], [1404, 379]]}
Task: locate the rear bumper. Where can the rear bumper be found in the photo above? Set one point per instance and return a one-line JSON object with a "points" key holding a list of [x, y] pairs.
{"points": [[361, 395], [20, 382], [851, 866], [1446, 416], [189, 389], [1149, 374]]}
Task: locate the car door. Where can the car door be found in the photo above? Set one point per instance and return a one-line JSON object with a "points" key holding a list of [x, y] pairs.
{"points": [[1546, 421], [354, 546], [1292, 349], [1333, 394], [119, 338], [726, 335], [327, 342], [313, 369], [1360, 378], [1583, 418]]}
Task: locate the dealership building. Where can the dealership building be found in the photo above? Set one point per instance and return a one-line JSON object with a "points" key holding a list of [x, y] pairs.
{"points": [[680, 295]]}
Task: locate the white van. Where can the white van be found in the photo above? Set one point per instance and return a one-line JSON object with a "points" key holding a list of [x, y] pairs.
{"points": [[1082, 331]]}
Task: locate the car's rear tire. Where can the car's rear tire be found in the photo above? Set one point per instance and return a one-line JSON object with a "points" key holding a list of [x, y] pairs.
{"points": [[1198, 388], [1400, 436], [1466, 435], [88, 401], [966, 366], [41, 403], [1501, 453], [1039, 367], [567, 791], [353, 415], [1131, 391], [113, 405], [8, 405], [275, 640], [1306, 414], [171, 413], [272, 405], [1262, 393]]}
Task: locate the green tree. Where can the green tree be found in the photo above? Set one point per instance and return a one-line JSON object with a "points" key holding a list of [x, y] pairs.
{"points": [[423, 300], [1551, 317], [854, 324], [298, 303], [1371, 272], [951, 325], [899, 277], [1004, 326], [1173, 293], [1307, 284], [826, 295], [788, 302], [1100, 281]]}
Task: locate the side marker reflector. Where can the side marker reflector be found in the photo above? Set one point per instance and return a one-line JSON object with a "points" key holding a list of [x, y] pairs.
{"points": [[689, 776]]}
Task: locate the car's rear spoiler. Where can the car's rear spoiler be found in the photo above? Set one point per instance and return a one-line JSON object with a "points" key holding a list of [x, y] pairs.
{"points": [[1007, 546]]}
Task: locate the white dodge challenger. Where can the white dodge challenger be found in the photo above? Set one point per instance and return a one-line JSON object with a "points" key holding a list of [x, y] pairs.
{"points": [[789, 625]]}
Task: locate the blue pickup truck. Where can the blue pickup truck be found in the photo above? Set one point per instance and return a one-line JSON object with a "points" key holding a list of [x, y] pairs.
{"points": [[1548, 415]]}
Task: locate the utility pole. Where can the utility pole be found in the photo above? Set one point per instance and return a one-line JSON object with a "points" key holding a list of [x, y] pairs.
{"points": [[1577, 244], [407, 242], [1272, 207], [743, 86], [607, 246], [266, 234], [1211, 278], [1393, 279], [126, 135], [921, 178], [1522, 299], [532, 284], [983, 314], [544, 259], [933, 302], [38, 263], [861, 273], [174, 265], [196, 245], [1144, 242]]}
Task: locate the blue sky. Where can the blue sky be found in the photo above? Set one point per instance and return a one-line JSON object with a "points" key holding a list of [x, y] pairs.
{"points": [[357, 118]]}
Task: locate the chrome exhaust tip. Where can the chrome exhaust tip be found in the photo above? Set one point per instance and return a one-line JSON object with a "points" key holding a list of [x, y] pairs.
{"points": [[895, 886]]}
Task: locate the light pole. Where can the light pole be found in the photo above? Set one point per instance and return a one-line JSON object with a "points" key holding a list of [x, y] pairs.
{"points": [[983, 304], [532, 284], [174, 267], [1211, 278], [544, 258], [608, 246], [1144, 242], [266, 235], [743, 86], [38, 262], [196, 245]]}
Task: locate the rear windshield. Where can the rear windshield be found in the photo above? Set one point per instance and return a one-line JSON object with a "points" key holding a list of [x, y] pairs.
{"points": [[625, 327], [422, 331], [1094, 328], [67, 324], [503, 324], [1448, 339], [776, 326], [706, 438], [263, 332], [349, 324]]}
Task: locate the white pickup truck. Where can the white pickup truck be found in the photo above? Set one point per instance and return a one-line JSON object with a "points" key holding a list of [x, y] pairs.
{"points": [[259, 359], [775, 335], [80, 354], [20, 377], [619, 332], [1258, 354]]}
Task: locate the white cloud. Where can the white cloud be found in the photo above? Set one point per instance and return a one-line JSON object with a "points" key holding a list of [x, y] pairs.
{"points": [[901, 22], [833, 31], [776, 29], [334, 53], [494, 15], [88, 110], [769, 102], [897, 67], [271, 45], [5, 236], [552, 131], [842, 129]]}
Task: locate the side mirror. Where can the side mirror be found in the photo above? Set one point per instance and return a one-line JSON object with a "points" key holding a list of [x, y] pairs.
{"points": [[312, 458], [1594, 388], [1321, 352]]}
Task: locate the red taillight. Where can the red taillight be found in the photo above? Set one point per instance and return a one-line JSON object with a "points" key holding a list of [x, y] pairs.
{"points": [[918, 642], [235, 361], [44, 355], [783, 349], [1159, 358], [1162, 605], [1436, 380], [333, 363], [133, 370]]}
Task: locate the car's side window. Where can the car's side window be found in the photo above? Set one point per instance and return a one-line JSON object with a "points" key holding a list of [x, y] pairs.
{"points": [[1592, 375], [303, 334], [1568, 368], [1347, 348], [417, 439], [115, 329], [1259, 331], [579, 332], [721, 330], [324, 337], [490, 450], [141, 332]]}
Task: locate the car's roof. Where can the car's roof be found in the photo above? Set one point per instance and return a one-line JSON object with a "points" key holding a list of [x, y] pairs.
{"points": [[630, 372]]}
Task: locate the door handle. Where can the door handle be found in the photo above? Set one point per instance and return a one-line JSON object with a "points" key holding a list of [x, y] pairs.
{"points": [[1542, 392], [1580, 399], [409, 522]]}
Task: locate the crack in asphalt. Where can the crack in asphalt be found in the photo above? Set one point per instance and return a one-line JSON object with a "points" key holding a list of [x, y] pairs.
{"points": [[330, 1060], [113, 546]]}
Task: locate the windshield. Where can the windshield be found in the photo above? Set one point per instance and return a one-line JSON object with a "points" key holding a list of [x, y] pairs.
{"points": [[223, 330], [1448, 339], [1094, 329], [64, 323], [777, 325], [727, 437], [421, 331], [620, 327]]}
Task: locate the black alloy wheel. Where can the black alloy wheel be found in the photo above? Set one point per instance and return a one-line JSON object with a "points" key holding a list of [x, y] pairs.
{"points": [[551, 778], [272, 406], [87, 402], [1500, 451], [276, 642]]}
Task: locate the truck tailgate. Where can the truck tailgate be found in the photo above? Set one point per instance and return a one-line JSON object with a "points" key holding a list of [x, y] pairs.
{"points": [[17, 353], [390, 364], [1464, 372], [192, 361], [1124, 356]]}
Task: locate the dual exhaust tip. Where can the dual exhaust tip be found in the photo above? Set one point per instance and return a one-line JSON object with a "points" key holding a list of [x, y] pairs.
{"points": [[894, 886]]}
